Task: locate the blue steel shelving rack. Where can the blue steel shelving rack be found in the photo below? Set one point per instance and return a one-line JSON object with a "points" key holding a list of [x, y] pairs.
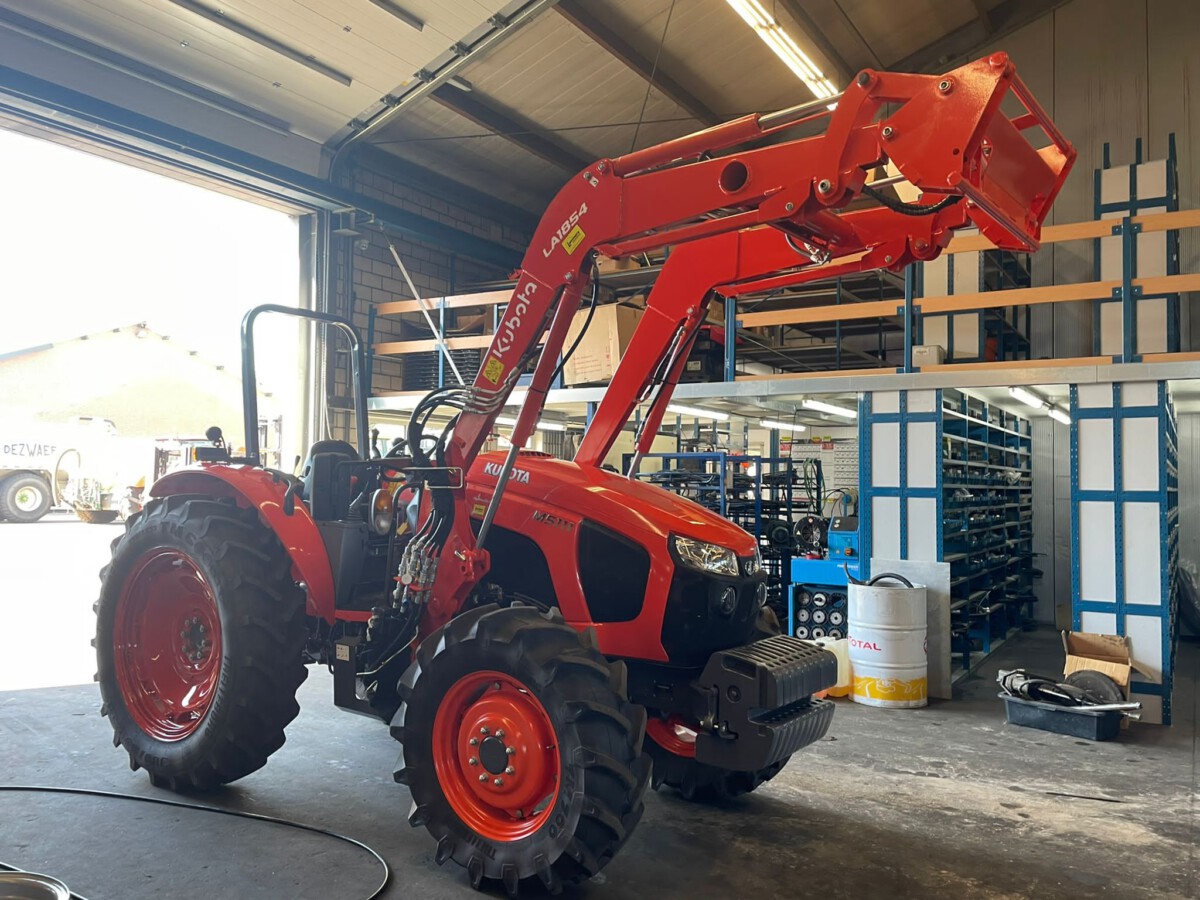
{"points": [[1128, 231], [1123, 609], [985, 536]]}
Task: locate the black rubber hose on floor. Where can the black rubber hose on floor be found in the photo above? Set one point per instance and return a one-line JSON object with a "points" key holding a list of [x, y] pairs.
{"points": [[258, 817]]}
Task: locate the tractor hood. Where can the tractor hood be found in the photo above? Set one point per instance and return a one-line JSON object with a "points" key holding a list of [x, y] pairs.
{"points": [[630, 507]]}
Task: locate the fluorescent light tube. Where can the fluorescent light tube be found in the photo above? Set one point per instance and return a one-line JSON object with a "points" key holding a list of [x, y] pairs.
{"points": [[541, 426], [698, 412], [1027, 397], [781, 426], [822, 406], [1059, 415], [784, 46]]}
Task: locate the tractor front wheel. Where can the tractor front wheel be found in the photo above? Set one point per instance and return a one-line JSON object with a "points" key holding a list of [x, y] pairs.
{"points": [[672, 746], [199, 636], [520, 750]]}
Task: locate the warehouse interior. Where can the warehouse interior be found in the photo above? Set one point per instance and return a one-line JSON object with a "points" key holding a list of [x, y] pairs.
{"points": [[706, 493]]}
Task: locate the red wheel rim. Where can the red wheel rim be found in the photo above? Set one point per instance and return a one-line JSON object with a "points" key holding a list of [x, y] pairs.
{"points": [[496, 756], [167, 644], [672, 735]]}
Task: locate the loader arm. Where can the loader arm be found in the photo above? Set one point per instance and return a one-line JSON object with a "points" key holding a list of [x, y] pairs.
{"points": [[711, 201]]}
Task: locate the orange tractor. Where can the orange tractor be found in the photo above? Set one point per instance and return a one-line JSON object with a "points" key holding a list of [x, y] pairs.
{"points": [[547, 638]]}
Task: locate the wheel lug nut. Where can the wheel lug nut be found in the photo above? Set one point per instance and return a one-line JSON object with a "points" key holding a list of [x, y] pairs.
{"points": [[510, 771], [510, 751], [483, 778], [472, 761], [484, 730], [183, 634], [474, 742], [499, 782], [500, 733]]}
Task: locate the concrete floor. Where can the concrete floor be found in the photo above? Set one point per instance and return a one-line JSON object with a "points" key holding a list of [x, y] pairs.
{"points": [[942, 802]]}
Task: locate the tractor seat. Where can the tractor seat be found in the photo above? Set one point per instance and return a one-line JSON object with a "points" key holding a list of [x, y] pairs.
{"points": [[317, 476]]}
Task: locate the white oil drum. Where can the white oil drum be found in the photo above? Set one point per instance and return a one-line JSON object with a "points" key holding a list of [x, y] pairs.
{"points": [[887, 636]]}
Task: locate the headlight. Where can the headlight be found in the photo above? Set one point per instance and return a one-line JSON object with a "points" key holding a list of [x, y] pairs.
{"points": [[705, 557]]}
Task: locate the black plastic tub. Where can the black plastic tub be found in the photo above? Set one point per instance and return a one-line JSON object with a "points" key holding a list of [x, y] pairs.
{"points": [[1076, 721]]}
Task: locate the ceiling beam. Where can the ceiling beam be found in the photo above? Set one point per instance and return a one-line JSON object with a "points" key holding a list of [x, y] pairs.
{"points": [[609, 40], [1004, 19], [984, 14], [813, 32], [526, 136]]}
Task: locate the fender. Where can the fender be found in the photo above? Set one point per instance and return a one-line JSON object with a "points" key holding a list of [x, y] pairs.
{"points": [[258, 488]]}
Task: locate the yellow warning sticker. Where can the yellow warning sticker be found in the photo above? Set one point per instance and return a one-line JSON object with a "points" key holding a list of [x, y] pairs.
{"points": [[573, 239], [493, 370], [477, 510]]}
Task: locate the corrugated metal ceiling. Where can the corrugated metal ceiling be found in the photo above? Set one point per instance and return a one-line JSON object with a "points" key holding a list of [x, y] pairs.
{"points": [[549, 77]]}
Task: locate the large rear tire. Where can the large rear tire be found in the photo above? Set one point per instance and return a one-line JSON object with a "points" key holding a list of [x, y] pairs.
{"points": [[199, 636], [24, 498], [521, 752]]}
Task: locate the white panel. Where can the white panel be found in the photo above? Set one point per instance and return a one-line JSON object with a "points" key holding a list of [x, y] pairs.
{"points": [[934, 331], [1114, 184], [1143, 569], [923, 526], [885, 402], [1145, 640], [1152, 325], [1151, 708], [1098, 623], [1139, 393], [1139, 454], [922, 401], [933, 277], [885, 526], [1112, 328], [966, 272], [936, 578], [1151, 252], [967, 338], [885, 454], [1097, 571], [1152, 179], [924, 457], [1095, 454], [1095, 395]]}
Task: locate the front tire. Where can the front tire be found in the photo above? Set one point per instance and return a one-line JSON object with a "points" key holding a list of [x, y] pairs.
{"points": [[24, 498], [199, 637], [672, 747], [521, 753]]}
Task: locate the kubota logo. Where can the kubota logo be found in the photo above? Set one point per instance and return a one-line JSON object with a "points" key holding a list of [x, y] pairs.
{"points": [[513, 317], [520, 476]]}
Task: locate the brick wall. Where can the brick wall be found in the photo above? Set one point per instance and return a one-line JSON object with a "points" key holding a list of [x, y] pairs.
{"points": [[373, 278]]}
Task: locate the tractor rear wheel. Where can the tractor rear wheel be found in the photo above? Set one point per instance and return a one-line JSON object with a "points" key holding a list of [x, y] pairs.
{"points": [[199, 636], [520, 750]]}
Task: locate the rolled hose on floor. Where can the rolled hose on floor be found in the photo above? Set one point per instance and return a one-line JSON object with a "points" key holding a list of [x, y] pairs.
{"points": [[162, 801]]}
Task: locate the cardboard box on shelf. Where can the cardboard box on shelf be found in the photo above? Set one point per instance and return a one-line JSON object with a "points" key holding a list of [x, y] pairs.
{"points": [[606, 264], [928, 355], [595, 359]]}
